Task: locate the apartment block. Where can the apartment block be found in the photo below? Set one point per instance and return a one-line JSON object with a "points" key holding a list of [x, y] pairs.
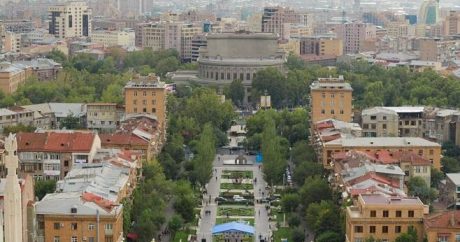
{"points": [[146, 95], [19, 26], [321, 46], [379, 122], [70, 19], [355, 35], [443, 226], [109, 38], [331, 98], [274, 20], [12, 76], [437, 50], [42, 68], [450, 194], [452, 23], [102, 116], [14, 116], [410, 120], [51, 155], [383, 217], [12, 42]]}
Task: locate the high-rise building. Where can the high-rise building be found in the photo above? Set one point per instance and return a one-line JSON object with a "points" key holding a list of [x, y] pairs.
{"points": [[355, 35], [70, 19], [452, 23], [321, 46], [275, 18], [331, 99], [429, 12]]}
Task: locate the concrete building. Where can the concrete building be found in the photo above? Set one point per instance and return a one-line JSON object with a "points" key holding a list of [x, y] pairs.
{"points": [[70, 19], [12, 76], [42, 68], [452, 23], [103, 117], [274, 20], [146, 95], [74, 216], [14, 116], [437, 50], [429, 12], [12, 42], [198, 41], [375, 215], [379, 122], [50, 115], [111, 38], [410, 120], [355, 36], [443, 226], [51, 155], [170, 35], [450, 194], [427, 149], [331, 98], [18, 26], [321, 46]]}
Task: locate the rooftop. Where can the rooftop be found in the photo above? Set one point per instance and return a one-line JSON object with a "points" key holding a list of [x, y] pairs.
{"points": [[454, 177], [383, 142], [150, 81], [407, 109], [55, 142], [444, 220], [331, 83], [377, 110], [376, 199]]}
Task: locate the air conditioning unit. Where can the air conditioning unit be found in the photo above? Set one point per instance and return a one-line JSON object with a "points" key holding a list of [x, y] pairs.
{"points": [[62, 225]]}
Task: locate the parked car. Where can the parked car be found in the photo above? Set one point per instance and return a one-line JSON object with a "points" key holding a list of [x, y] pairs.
{"points": [[221, 199]]}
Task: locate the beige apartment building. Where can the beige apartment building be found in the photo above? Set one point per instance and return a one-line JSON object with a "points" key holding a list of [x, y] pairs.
{"points": [[125, 37], [274, 20], [356, 36], [331, 98], [383, 218], [12, 76], [146, 95], [70, 19], [452, 23], [321, 46], [102, 116], [379, 122]]}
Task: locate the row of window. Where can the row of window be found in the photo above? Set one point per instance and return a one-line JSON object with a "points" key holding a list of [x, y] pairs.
{"points": [[332, 111], [144, 102], [144, 110], [228, 76], [89, 239], [373, 229], [74, 226], [144, 93], [373, 126], [332, 95], [386, 213], [16, 116]]}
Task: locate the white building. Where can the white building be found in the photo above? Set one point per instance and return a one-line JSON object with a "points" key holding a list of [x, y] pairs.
{"points": [[108, 38], [70, 19]]}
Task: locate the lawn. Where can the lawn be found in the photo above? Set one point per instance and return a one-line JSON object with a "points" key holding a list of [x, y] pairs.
{"points": [[235, 211], [282, 233], [227, 220], [180, 235], [236, 186], [236, 174]]}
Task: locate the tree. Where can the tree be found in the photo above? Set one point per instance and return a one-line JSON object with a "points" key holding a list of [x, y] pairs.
{"points": [[298, 235], [272, 81], [44, 187], [18, 128], [185, 200], [302, 152], [236, 92], [410, 236], [206, 150], [329, 237], [322, 217], [306, 169], [450, 165], [167, 65], [175, 223], [274, 162], [418, 187], [70, 122], [315, 189], [290, 201], [57, 56], [436, 177]]}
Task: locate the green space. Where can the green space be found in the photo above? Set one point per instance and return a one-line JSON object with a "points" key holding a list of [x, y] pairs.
{"points": [[227, 220], [235, 211], [220, 238], [236, 186], [282, 233], [180, 236], [227, 174]]}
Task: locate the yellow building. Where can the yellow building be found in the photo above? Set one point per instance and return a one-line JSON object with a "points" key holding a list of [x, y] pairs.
{"points": [[331, 99], [146, 95], [108, 38], [443, 226], [12, 76], [383, 218], [291, 46], [321, 46], [427, 149]]}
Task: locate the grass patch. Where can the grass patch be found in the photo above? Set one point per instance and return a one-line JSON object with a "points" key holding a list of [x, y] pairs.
{"points": [[180, 235], [235, 211], [282, 233], [236, 186], [227, 220], [221, 238], [226, 174]]}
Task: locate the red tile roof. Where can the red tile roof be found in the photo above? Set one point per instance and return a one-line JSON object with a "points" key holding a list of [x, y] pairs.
{"points": [[444, 220], [376, 177], [108, 140], [55, 142], [101, 202]]}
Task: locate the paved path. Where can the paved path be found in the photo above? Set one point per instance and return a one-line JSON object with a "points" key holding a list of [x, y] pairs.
{"points": [[262, 227]]}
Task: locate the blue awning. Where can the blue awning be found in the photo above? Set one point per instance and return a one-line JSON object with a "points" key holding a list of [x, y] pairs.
{"points": [[233, 227]]}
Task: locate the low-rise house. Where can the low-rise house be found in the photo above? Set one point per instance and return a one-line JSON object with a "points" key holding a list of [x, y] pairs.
{"points": [[51, 114], [444, 226], [14, 116], [410, 120], [44, 69], [12, 76], [103, 117], [383, 217], [450, 192], [51, 155], [73, 216], [379, 122]]}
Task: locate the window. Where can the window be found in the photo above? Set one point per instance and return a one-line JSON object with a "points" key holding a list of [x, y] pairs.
{"points": [[410, 213], [384, 126], [154, 110], [397, 229], [373, 214], [154, 102], [135, 93], [144, 102], [74, 226], [443, 238], [323, 95], [74, 239], [66, 163], [398, 213], [144, 110], [323, 111], [341, 111], [431, 152], [406, 122], [57, 239], [332, 95], [413, 123], [91, 226], [457, 238], [57, 225], [144, 93], [385, 229], [134, 101], [135, 110], [108, 226], [91, 239], [108, 239], [384, 117], [373, 117], [372, 229], [358, 229], [385, 213], [332, 111], [365, 126]]}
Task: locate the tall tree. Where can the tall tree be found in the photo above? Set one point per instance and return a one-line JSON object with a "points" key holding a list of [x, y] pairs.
{"points": [[273, 159], [272, 81], [206, 150], [236, 92]]}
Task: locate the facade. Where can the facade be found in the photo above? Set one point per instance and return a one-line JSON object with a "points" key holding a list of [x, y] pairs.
{"points": [[74, 216], [429, 12], [379, 122], [238, 56], [331, 98], [444, 226], [146, 95], [452, 23], [355, 35], [12, 42], [411, 120], [451, 191], [20, 26], [12, 76], [376, 215], [108, 38], [50, 115], [51, 155], [274, 20], [198, 41], [437, 50], [44, 69], [427, 149], [70, 19], [102, 116], [14, 116], [321, 46]]}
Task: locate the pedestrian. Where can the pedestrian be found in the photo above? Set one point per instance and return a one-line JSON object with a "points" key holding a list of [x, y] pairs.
{"points": [[216, 178], [259, 213]]}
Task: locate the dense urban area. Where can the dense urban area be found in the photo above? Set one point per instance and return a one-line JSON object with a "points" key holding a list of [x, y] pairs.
{"points": [[229, 121]]}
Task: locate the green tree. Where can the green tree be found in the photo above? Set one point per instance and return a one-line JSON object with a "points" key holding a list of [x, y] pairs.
{"points": [[298, 235], [306, 169], [175, 224], [18, 128], [323, 216], [57, 56], [302, 152], [450, 165], [418, 187], [274, 162], [185, 200], [71, 122], [272, 81], [44, 187], [329, 237], [236, 92], [202, 163], [410, 236], [436, 177], [315, 189], [167, 65], [290, 201]]}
